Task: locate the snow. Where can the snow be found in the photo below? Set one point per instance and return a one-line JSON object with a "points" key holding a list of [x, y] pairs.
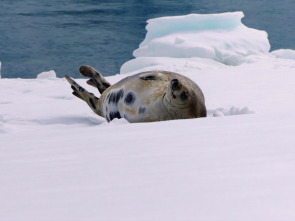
{"points": [[60, 161], [284, 53], [47, 74]]}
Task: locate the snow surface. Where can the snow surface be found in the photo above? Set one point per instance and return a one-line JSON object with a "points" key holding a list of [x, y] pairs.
{"points": [[60, 161]]}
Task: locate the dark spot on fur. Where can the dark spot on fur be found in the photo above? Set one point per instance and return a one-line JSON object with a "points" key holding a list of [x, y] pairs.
{"points": [[108, 96], [116, 96], [92, 103], [149, 77], [141, 110], [120, 94], [130, 98], [111, 97], [115, 115], [77, 95], [81, 89], [91, 82], [106, 85]]}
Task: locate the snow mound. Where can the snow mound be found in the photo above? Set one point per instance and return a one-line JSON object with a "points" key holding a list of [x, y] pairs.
{"points": [[220, 112], [219, 37], [116, 121], [284, 53], [46, 75]]}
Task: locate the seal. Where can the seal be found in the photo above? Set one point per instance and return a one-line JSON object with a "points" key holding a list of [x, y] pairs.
{"points": [[144, 97]]}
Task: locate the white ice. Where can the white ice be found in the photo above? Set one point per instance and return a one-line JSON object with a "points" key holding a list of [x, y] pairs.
{"points": [[47, 75], [220, 37], [284, 53], [59, 161]]}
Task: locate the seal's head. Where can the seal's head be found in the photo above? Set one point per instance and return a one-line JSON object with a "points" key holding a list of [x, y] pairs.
{"points": [[182, 101]]}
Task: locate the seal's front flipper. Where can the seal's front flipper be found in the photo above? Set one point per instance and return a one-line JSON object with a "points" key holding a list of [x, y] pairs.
{"points": [[96, 79], [83, 94]]}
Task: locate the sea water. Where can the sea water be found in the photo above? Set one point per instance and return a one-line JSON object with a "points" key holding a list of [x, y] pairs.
{"points": [[37, 36]]}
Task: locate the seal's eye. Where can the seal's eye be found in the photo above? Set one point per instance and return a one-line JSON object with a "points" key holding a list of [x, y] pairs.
{"points": [[184, 95]]}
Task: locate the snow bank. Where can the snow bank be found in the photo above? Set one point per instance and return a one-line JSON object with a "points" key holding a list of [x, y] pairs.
{"points": [[46, 75], [284, 53], [219, 37]]}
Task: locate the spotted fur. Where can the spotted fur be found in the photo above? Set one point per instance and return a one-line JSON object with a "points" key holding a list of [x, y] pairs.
{"points": [[130, 98]]}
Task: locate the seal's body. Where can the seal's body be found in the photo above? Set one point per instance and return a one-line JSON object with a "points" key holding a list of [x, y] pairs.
{"points": [[144, 97]]}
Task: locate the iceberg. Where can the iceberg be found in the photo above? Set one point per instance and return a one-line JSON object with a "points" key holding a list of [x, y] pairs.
{"points": [[219, 37]]}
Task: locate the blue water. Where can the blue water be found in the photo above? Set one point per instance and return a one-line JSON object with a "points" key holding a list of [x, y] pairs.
{"points": [[37, 36]]}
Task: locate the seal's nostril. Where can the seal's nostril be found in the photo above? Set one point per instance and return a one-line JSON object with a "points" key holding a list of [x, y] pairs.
{"points": [[175, 84]]}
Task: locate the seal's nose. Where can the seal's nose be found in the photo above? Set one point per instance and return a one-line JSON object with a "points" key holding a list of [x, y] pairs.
{"points": [[175, 84]]}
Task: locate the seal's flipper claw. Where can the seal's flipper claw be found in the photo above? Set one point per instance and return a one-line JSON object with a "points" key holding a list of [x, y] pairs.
{"points": [[84, 95], [72, 83], [75, 86]]}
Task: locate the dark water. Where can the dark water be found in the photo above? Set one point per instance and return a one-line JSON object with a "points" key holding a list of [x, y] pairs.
{"points": [[37, 36]]}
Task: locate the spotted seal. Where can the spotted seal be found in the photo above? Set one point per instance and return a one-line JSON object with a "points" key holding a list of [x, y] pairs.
{"points": [[144, 97]]}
